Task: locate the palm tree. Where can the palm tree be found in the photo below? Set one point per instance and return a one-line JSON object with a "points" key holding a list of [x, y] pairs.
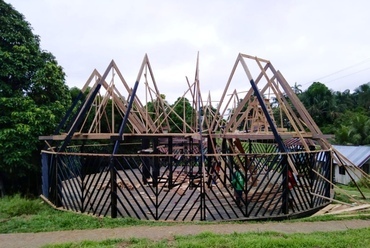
{"points": [[344, 100], [362, 96], [342, 135], [297, 88], [360, 130]]}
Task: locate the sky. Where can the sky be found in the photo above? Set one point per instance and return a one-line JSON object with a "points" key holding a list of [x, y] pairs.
{"points": [[308, 41]]}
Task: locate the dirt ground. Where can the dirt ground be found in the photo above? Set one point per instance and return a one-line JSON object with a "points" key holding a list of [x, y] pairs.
{"points": [[167, 232]]}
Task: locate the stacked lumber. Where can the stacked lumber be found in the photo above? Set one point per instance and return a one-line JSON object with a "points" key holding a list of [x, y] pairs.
{"points": [[341, 209]]}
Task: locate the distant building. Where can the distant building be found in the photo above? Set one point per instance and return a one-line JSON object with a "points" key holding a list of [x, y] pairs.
{"points": [[359, 156]]}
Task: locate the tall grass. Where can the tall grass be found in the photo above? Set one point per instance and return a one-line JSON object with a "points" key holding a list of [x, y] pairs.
{"points": [[17, 206], [19, 214]]}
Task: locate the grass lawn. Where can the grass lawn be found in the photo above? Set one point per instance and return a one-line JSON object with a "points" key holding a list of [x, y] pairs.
{"points": [[349, 194], [18, 214], [350, 238]]}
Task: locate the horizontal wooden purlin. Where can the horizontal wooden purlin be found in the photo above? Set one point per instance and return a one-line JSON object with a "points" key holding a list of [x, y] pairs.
{"points": [[260, 136], [323, 136], [53, 137], [245, 136], [112, 136], [242, 136], [283, 136]]}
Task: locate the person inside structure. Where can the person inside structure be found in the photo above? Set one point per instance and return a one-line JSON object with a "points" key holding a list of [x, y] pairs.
{"points": [[214, 173], [238, 184]]}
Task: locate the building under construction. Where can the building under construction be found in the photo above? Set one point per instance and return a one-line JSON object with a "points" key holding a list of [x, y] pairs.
{"points": [[116, 155]]}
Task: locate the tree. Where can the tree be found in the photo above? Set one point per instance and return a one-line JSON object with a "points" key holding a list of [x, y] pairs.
{"points": [[344, 101], [33, 98], [353, 129], [182, 108], [360, 130], [155, 109], [319, 102], [297, 88], [362, 97]]}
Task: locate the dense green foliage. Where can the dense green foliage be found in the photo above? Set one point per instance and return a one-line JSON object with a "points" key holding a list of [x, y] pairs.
{"points": [[33, 98], [345, 114], [182, 111], [319, 103], [17, 206], [178, 113]]}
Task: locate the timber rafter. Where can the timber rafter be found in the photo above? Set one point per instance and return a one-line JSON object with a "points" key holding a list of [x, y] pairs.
{"points": [[245, 121]]}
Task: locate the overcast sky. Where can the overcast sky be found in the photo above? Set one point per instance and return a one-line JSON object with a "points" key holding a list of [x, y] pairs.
{"points": [[326, 41]]}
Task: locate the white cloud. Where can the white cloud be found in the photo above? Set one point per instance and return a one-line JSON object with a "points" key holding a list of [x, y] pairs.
{"points": [[305, 40]]}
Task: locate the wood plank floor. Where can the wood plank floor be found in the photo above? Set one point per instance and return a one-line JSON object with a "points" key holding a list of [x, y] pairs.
{"points": [[184, 202]]}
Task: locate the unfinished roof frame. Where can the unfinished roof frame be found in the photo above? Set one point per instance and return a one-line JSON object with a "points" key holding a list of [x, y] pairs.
{"points": [[216, 139]]}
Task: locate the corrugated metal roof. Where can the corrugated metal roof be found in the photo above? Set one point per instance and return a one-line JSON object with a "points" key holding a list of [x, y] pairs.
{"points": [[358, 155]]}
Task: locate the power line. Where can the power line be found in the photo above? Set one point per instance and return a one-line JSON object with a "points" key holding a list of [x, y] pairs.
{"points": [[349, 67], [349, 74], [344, 69]]}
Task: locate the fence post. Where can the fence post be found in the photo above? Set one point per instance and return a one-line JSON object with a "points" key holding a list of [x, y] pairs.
{"points": [[45, 160], [285, 182], [113, 188], [57, 183], [170, 160], [328, 174]]}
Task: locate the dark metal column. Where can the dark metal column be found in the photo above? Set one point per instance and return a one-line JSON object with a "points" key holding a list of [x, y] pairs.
{"points": [[170, 161], [282, 148], [112, 167]]}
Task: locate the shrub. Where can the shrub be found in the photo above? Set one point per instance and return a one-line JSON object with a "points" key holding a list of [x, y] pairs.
{"points": [[363, 182], [16, 206]]}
